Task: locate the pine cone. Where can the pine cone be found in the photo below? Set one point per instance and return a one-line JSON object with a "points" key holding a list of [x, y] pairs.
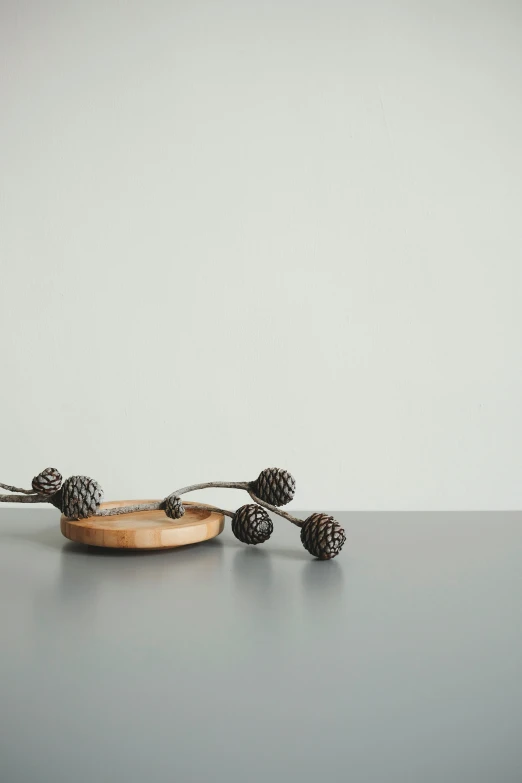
{"points": [[47, 482], [173, 507], [275, 486], [79, 497], [322, 536], [251, 524]]}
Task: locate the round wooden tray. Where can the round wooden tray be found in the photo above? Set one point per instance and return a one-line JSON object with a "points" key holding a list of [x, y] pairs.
{"points": [[144, 529]]}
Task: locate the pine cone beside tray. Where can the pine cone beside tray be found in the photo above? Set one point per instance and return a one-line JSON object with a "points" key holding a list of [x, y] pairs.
{"points": [[251, 524], [275, 486], [79, 497], [173, 507], [322, 536], [47, 482]]}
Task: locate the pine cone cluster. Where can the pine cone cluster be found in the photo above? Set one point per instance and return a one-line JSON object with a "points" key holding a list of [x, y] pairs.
{"points": [[173, 507], [79, 497], [251, 524], [47, 482], [275, 486], [322, 536]]}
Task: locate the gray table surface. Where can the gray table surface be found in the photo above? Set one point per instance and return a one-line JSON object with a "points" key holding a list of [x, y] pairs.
{"points": [[399, 661]]}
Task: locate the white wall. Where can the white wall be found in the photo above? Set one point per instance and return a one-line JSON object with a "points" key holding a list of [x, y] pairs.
{"points": [[242, 234]]}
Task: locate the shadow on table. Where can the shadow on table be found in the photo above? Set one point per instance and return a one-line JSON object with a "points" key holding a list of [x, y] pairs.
{"points": [[88, 576], [252, 569], [49, 537], [291, 553], [255, 571], [322, 579]]}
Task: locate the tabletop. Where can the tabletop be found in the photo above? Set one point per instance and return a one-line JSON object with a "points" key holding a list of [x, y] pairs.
{"points": [[399, 661]]}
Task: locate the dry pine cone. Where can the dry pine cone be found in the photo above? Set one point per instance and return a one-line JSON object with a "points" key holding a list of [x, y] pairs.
{"points": [[47, 482], [173, 507], [251, 524], [275, 486], [79, 497], [322, 536]]}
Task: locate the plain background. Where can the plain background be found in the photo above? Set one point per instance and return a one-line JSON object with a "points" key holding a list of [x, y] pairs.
{"points": [[243, 234]]}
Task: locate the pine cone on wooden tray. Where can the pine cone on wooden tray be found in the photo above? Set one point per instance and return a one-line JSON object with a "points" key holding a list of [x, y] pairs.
{"points": [[173, 507], [78, 498]]}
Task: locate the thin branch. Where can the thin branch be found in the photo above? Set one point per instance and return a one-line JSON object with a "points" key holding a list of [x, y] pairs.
{"points": [[112, 512], [276, 510], [29, 496], [246, 485], [209, 484], [155, 506], [25, 499], [18, 489]]}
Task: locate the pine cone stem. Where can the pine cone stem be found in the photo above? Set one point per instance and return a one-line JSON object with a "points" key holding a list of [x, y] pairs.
{"points": [[24, 499], [18, 489], [156, 506], [112, 512], [276, 510], [246, 485], [210, 484]]}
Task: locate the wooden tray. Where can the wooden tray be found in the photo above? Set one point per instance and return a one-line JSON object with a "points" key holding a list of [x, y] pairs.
{"points": [[144, 529]]}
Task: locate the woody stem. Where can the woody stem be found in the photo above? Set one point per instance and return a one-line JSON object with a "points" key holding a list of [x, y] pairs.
{"points": [[154, 506], [112, 512], [276, 510], [209, 484], [18, 489], [246, 485], [24, 499]]}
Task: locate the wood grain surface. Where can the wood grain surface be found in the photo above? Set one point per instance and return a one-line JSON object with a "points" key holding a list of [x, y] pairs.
{"points": [[144, 529]]}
